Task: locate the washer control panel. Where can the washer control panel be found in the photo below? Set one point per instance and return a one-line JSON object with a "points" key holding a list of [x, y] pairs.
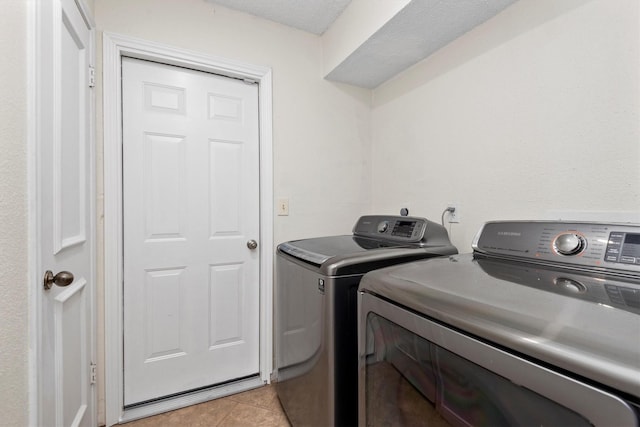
{"points": [[603, 245], [405, 230], [397, 228]]}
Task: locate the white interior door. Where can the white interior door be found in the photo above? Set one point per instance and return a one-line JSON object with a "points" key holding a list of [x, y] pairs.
{"points": [[66, 346], [191, 208]]}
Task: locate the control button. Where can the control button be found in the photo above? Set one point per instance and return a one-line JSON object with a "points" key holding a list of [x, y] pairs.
{"points": [[383, 226], [615, 235], [569, 244]]}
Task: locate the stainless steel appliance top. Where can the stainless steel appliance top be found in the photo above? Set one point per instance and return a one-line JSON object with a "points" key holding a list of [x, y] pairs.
{"points": [[375, 238], [566, 294]]}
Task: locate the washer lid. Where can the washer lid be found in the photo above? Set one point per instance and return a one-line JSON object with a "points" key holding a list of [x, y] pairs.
{"points": [[318, 250]]}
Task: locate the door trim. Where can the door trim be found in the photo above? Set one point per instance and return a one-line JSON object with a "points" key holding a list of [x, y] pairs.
{"points": [[113, 49], [40, 62]]}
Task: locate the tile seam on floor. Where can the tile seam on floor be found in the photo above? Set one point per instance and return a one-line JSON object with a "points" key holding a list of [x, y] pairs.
{"points": [[219, 423]]}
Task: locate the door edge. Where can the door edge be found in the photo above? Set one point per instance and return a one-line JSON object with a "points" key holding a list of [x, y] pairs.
{"points": [[38, 13]]}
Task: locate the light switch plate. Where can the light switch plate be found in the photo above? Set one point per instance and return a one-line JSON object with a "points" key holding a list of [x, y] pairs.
{"points": [[283, 206]]}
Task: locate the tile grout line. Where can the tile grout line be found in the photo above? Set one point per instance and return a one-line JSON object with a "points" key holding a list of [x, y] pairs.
{"points": [[228, 414]]}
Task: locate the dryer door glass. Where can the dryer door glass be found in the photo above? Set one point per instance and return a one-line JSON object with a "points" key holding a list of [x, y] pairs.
{"points": [[412, 381]]}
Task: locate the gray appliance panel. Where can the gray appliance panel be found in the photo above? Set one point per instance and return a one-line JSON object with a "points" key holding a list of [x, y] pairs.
{"points": [[316, 319], [301, 352], [599, 407], [596, 340], [415, 230], [614, 248]]}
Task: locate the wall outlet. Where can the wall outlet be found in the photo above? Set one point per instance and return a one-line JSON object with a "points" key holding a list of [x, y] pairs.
{"points": [[283, 206], [454, 216]]}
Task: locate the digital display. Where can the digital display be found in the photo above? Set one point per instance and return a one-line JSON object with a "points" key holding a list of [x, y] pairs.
{"points": [[631, 248], [623, 247], [632, 239], [403, 228]]}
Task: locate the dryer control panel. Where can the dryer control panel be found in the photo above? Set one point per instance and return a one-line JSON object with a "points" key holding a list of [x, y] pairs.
{"points": [[579, 244]]}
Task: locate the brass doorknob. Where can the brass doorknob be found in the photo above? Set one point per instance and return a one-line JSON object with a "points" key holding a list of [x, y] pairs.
{"points": [[63, 278]]}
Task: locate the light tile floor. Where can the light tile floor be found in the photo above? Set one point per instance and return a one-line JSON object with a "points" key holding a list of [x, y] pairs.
{"points": [[258, 407]]}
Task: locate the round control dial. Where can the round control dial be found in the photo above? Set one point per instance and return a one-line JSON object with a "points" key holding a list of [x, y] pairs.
{"points": [[383, 226], [569, 244]]}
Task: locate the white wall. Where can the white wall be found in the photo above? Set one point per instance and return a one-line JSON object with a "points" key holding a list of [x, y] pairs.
{"points": [[536, 110], [13, 215]]}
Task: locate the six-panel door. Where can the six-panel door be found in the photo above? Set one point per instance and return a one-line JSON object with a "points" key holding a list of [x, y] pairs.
{"points": [[191, 204]]}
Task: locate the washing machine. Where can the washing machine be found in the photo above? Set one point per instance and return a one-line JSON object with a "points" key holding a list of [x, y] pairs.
{"points": [[316, 310], [540, 325]]}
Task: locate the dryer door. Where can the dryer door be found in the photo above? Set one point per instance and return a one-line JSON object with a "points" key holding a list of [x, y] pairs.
{"points": [[412, 369]]}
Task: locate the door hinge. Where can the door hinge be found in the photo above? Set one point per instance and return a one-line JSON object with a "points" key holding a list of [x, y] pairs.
{"points": [[92, 76], [93, 372]]}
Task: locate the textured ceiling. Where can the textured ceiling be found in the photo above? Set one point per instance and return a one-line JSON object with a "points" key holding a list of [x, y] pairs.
{"points": [[416, 32], [313, 16]]}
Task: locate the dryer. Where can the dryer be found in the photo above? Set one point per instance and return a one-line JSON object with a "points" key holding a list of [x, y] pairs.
{"points": [[539, 326]]}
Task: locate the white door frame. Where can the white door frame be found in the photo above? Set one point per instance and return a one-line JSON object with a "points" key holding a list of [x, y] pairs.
{"points": [[114, 48], [40, 63]]}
